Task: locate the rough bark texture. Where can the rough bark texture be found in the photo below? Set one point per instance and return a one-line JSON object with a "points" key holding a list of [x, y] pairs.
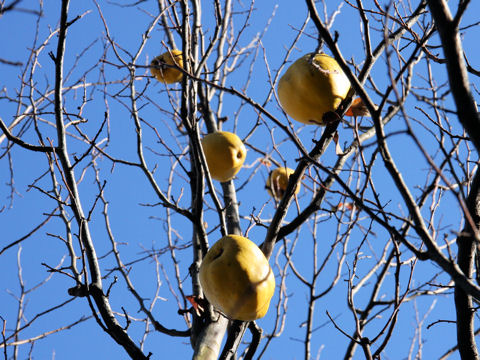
{"points": [[467, 245], [447, 27]]}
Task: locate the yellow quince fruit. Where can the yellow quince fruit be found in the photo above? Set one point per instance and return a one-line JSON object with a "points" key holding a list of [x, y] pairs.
{"points": [[277, 182], [237, 279], [167, 74], [225, 154], [312, 86]]}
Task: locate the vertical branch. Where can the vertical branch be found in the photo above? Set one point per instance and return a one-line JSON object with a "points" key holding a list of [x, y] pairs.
{"points": [[4, 340], [231, 206], [207, 334], [95, 287], [447, 28], [196, 174], [21, 301], [62, 152], [468, 116], [466, 254]]}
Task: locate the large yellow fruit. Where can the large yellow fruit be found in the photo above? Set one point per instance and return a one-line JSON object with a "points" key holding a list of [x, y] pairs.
{"points": [[277, 182], [237, 279], [312, 86], [166, 74], [225, 154]]}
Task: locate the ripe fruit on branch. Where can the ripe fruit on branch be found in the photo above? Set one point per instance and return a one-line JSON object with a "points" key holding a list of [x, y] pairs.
{"points": [[164, 73], [225, 154], [237, 279], [313, 86], [277, 182]]}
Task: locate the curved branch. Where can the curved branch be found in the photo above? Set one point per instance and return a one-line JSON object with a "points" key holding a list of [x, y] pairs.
{"points": [[95, 287], [22, 143]]}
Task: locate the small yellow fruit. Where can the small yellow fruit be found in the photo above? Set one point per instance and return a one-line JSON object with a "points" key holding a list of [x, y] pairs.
{"points": [[237, 279], [312, 86], [225, 154], [167, 74], [277, 182]]}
